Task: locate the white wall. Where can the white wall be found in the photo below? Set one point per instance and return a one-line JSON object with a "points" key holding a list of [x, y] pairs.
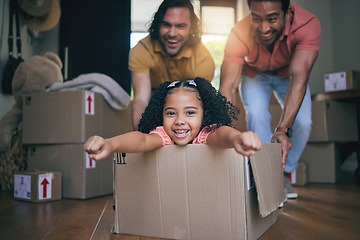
{"points": [[346, 34], [324, 63], [339, 46], [45, 41]]}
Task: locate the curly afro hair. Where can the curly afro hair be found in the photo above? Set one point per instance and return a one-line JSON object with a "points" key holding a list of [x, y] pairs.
{"points": [[284, 4], [218, 111]]}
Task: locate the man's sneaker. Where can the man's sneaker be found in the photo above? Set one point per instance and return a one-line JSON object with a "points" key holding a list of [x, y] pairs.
{"points": [[285, 200], [291, 193]]}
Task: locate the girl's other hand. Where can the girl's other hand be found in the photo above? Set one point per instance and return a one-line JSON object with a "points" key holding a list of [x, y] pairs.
{"points": [[97, 147], [247, 143]]}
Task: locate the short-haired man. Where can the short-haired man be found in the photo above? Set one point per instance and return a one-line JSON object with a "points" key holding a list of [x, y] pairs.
{"points": [[273, 49], [173, 51]]}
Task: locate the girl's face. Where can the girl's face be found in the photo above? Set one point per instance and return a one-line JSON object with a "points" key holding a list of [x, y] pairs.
{"points": [[182, 115]]}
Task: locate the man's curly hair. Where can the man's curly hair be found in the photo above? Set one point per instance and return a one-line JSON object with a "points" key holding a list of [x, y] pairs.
{"points": [[218, 111]]}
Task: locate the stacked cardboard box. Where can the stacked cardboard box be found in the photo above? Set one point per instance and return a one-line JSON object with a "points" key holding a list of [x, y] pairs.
{"points": [[333, 122], [198, 192], [299, 176], [37, 186], [323, 160], [343, 80], [55, 127]]}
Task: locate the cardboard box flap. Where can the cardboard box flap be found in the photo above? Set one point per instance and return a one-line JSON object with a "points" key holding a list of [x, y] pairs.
{"points": [[266, 166]]}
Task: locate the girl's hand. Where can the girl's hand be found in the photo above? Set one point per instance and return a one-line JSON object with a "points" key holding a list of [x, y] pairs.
{"points": [[246, 143], [97, 147]]}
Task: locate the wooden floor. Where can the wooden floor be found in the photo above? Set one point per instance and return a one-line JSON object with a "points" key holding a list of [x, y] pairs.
{"points": [[322, 211]]}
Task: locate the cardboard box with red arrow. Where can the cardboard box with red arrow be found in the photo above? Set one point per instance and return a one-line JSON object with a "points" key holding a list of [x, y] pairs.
{"points": [[37, 186]]}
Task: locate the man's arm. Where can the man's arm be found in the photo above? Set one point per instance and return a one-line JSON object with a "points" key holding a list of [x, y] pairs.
{"points": [[142, 92], [299, 70], [230, 79]]}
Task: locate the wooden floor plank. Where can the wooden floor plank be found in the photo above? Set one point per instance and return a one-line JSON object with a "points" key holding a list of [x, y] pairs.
{"points": [[322, 211], [103, 229], [272, 234], [81, 221], [106, 223], [327, 223], [34, 219], [340, 209], [294, 228]]}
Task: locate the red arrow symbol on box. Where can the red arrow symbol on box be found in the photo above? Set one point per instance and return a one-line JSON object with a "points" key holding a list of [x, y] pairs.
{"points": [[89, 99], [44, 183], [90, 162]]}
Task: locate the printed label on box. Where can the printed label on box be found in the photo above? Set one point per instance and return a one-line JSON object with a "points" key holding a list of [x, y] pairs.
{"points": [[44, 185], [22, 186], [335, 81], [249, 174], [89, 103], [89, 162]]}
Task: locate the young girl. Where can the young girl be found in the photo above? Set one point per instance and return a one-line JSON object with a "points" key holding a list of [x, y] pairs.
{"points": [[182, 112]]}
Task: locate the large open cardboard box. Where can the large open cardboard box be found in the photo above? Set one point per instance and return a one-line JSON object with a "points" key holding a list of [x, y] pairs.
{"points": [[198, 192]]}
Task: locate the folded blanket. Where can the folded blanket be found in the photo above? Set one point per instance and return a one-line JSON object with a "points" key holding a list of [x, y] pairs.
{"points": [[112, 92]]}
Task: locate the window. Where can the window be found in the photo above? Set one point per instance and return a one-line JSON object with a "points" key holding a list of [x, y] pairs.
{"points": [[216, 25]]}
